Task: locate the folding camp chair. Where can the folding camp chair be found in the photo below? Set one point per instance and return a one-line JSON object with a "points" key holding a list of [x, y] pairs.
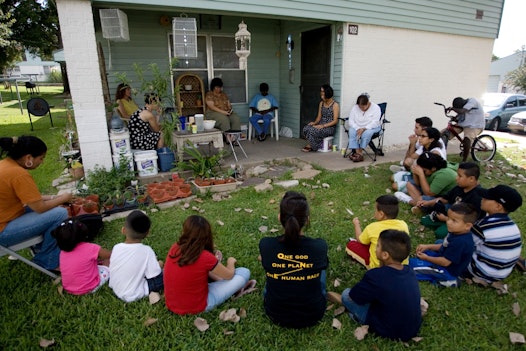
{"points": [[378, 137], [38, 107], [12, 250]]}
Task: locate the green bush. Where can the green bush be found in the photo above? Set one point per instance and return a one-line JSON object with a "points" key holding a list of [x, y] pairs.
{"points": [[55, 77]]}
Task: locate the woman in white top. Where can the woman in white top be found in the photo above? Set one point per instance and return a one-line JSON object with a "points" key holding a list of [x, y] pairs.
{"points": [[364, 121], [430, 140]]}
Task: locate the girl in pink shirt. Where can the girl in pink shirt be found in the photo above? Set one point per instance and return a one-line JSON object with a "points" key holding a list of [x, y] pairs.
{"points": [[79, 259]]}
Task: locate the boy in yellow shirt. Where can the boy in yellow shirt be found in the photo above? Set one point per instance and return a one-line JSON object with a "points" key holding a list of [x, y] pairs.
{"points": [[363, 248]]}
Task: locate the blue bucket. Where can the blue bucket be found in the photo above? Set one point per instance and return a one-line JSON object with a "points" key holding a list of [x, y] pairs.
{"points": [[166, 159]]}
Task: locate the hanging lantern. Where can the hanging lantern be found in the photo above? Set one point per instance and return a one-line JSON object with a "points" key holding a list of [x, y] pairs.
{"points": [[184, 37], [242, 37]]}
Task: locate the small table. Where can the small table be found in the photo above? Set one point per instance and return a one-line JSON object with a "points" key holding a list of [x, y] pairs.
{"points": [[213, 135]]}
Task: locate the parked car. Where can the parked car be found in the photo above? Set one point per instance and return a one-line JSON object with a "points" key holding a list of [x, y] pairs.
{"points": [[499, 107], [517, 122]]}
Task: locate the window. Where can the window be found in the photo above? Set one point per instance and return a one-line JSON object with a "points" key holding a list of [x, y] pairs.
{"points": [[522, 101], [512, 102], [216, 57]]}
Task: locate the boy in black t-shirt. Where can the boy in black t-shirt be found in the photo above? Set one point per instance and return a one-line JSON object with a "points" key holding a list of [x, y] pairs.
{"points": [[388, 297], [468, 190]]}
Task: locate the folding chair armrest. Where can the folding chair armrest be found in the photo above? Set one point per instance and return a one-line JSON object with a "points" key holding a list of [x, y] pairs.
{"points": [[343, 120]]}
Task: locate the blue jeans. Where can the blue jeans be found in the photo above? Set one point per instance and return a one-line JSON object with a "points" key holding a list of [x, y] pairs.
{"points": [[356, 311], [427, 271], [267, 118], [365, 138], [219, 291], [155, 283], [32, 224]]}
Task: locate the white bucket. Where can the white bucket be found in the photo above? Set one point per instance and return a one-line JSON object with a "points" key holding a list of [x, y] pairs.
{"points": [[128, 156], [120, 142], [146, 162]]}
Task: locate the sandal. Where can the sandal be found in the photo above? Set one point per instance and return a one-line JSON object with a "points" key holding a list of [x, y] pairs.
{"points": [[247, 289], [520, 265], [307, 149], [357, 158]]}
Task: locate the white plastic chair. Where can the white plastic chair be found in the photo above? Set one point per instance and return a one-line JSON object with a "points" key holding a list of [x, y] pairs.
{"points": [[273, 121], [11, 250]]}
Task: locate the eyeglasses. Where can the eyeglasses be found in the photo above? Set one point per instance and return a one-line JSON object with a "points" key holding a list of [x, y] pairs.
{"points": [[66, 222]]}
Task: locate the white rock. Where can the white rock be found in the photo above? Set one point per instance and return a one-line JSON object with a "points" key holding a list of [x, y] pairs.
{"points": [[263, 187], [325, 185], [259, 170], [288, 183]]}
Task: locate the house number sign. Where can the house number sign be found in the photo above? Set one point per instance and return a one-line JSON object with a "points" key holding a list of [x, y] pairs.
{"points": [[353, 29]]}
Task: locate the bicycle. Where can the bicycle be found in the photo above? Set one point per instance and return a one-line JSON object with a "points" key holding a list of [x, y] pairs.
{"points": [[483, 147]]}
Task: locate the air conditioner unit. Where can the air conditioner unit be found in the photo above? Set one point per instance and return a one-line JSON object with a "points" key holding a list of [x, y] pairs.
{"points": [[114, 25], [185, 37]]}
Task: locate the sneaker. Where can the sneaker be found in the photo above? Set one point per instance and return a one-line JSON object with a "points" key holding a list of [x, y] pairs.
{"points": [[396, 168], [402, 197], [454, 283]]}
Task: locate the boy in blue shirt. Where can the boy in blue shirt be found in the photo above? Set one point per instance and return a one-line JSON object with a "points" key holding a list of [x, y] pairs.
{"points": [[262, 106], [468, 190], [388, 297], [445, 261]]}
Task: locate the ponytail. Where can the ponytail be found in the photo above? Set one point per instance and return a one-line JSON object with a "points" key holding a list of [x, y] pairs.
{"points": [[293, 215], [17, 147]]}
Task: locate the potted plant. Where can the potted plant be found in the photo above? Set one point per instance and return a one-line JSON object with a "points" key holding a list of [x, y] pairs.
{"points": [[119, 199], [108, 203], [201, 165]]}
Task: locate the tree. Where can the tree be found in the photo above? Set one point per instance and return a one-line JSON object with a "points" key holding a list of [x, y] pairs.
{"points": [[31, 25], [517, 78]]}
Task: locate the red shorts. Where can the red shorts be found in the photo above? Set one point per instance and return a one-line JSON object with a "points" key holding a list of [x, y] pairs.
{"points": [[358, 251]]}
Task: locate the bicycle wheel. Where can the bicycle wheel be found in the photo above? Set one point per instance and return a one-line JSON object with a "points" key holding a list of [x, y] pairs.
{"points": [[484, 148]]}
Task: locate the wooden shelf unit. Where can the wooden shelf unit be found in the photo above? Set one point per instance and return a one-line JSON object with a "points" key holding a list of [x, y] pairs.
{"points": [[186, 99]]}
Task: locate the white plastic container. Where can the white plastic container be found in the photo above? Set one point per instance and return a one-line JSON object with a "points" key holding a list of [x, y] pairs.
{"points": [[244, 132], [120, 142], [128, 156], [146, 162], [199, 122]]}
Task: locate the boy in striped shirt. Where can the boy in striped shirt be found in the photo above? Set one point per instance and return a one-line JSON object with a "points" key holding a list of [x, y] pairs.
{"points": [[497, 238]]}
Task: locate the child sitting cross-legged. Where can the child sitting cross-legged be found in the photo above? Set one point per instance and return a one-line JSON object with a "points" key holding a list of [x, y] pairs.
{"points": [[467, 190], [135, 271], [195, 280], [387, 298], [363, 248], [497, 238], [79, 260], [445, 261]]}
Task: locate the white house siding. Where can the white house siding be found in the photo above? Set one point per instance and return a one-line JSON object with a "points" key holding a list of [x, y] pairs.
{"points": [[410, 70], [500, 68], [78, 37], [447, 16]]}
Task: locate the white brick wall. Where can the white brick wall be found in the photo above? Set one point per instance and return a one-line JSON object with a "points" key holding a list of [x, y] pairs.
{"points": [[80, 50], [443, 67]]}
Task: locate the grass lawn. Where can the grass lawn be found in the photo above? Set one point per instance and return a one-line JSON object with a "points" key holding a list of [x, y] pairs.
{"points": [[466, 318]]}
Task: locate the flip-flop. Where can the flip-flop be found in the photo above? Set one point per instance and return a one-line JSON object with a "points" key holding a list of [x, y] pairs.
{"points": [[247, 289], [307, 149]]}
